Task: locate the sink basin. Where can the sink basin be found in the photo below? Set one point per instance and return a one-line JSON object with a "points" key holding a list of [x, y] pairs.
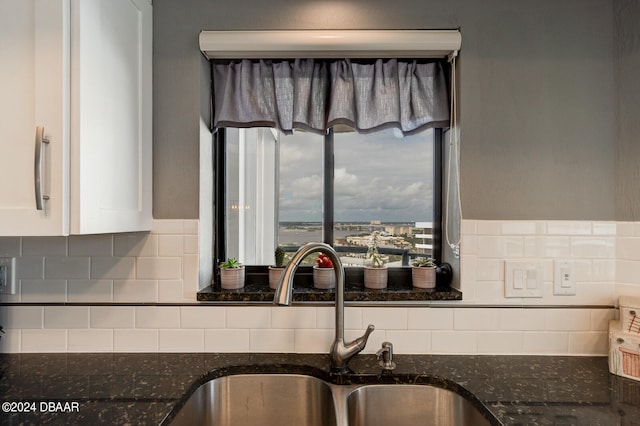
{"points": [[260, 399], [397, 405]]}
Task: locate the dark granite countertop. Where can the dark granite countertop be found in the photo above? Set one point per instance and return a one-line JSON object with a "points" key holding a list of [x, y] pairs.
{"points": [[142, 389], [399, 288]]}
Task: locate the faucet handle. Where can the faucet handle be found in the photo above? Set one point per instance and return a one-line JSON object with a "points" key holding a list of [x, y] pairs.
{"points": [[362, 341]]}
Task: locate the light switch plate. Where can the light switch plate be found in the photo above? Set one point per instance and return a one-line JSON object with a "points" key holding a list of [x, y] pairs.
{"points": [[522, 279], [564, 283]]}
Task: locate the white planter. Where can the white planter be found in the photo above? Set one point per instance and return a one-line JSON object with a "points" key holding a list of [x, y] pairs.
{"points": [[375, 278], [275, 272], [423, 277], [232, 278], [324, 278]]}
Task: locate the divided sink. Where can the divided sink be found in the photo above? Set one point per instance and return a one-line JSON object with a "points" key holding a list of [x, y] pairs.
{"points": [[296, 399]]}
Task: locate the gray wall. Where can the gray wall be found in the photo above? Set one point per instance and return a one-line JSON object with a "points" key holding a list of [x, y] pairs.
{"points": [[538, 105]]}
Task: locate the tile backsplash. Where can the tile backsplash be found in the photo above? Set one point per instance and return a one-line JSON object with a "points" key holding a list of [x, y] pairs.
{"points": [[136, 293]]}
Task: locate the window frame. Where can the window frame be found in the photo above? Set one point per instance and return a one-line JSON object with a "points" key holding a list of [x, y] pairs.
{"points": [[219, 197]]}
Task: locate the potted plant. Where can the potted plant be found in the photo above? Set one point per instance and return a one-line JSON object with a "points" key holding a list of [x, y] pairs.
{"points": [[324, 276], [231, 274], [375, 270], [275, 271], [423, 273]]}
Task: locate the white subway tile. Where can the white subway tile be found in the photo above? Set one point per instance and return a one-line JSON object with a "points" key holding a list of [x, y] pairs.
{"points": [[29, 268], [66, 317], [190, 274], [489, 270], [410, 341], [226, 340], [454, 342], [91, 245], [430, 318], [43, 291], [521, 228], [90, 340], [170, 245], [628, 248], [600, 319], [627, 272], [325, 317], [589, 247], [624, 229], [604, 228], [112, 268], [135, 340], [190, 227], [547, 247], [545, 343], [133, 291], [22, 317], [468, 272], [395, 318], [56, 267], [10, 342], [568, 228], [475, 319], [43, 341], [500, 247], [622, 289], [190, 244], [313, 341], [159, 268], [499, 342], [293, 317], [248, 317], [167, 226], [262, 340], [10, 246], [89, 291], [520, 319], [44, 246], [595, 294], [112, 316], [468, 244], [490, 292], [488, 227], [157, 317], [170, 291], [636, 229], [181, 340], [202, 317], [138, 244], [589, 343]]}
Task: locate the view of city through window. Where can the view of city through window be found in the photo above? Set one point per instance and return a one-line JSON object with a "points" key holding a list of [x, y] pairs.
{"points": [[383, 182]]}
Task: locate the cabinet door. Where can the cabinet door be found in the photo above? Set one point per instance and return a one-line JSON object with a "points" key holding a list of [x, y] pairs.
{"points": [[34, 87], [111, 111]]}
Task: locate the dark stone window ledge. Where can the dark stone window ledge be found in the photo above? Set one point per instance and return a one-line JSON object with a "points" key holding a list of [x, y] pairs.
{"points": [[399, 288]]}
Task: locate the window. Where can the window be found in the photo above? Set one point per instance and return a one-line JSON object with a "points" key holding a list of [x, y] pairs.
{"points": [[288, 190]]}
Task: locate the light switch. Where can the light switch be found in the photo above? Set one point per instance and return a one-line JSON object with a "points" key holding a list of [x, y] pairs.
{"points": [[522, 279]]}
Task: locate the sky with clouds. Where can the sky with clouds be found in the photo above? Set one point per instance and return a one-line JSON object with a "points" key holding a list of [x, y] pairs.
{"points": [[378, 176]]}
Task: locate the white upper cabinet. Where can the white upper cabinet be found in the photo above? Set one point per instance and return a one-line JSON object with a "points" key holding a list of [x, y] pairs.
{"points": [[80, 72]]}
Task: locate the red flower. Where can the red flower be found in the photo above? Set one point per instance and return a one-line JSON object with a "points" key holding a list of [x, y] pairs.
{"points": [[323, 261]]}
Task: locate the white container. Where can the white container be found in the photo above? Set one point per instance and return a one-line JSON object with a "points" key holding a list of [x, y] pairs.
{"points": [[275, 272], [630, 314], [423, 277], [232, 278], [624, 352]]}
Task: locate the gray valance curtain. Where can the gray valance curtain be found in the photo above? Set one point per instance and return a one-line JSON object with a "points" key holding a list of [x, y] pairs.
{"points": [[315, 95]]}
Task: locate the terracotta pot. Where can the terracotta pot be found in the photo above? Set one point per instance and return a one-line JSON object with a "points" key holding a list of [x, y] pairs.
{"points": [[324, 278], [275, 272], [232, 278], [375, 278], [423, 277]]}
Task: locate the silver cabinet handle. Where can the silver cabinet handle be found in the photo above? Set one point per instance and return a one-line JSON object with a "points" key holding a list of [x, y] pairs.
{"points": [[38, 168]]}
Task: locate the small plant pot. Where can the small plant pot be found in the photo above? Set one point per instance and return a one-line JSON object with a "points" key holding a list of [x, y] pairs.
{"points": [[324, 278], [375, 278], [232, 278], [423, 277], [275, 272]]}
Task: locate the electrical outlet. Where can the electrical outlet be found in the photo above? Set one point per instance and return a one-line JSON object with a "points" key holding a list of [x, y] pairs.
{"points": [[564, 283], [7, 275]]}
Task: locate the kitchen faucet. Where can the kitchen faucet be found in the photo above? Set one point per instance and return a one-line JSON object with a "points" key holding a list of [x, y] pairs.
{"points": [[341, 352]]}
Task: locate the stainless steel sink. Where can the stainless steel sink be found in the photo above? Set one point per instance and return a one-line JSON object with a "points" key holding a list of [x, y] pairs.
{"points": [[397, 405], [260, 399], [296, 399]]}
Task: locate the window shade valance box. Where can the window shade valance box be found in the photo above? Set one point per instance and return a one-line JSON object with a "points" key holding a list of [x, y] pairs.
{"points": [[329, 44], [285, 79]]}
